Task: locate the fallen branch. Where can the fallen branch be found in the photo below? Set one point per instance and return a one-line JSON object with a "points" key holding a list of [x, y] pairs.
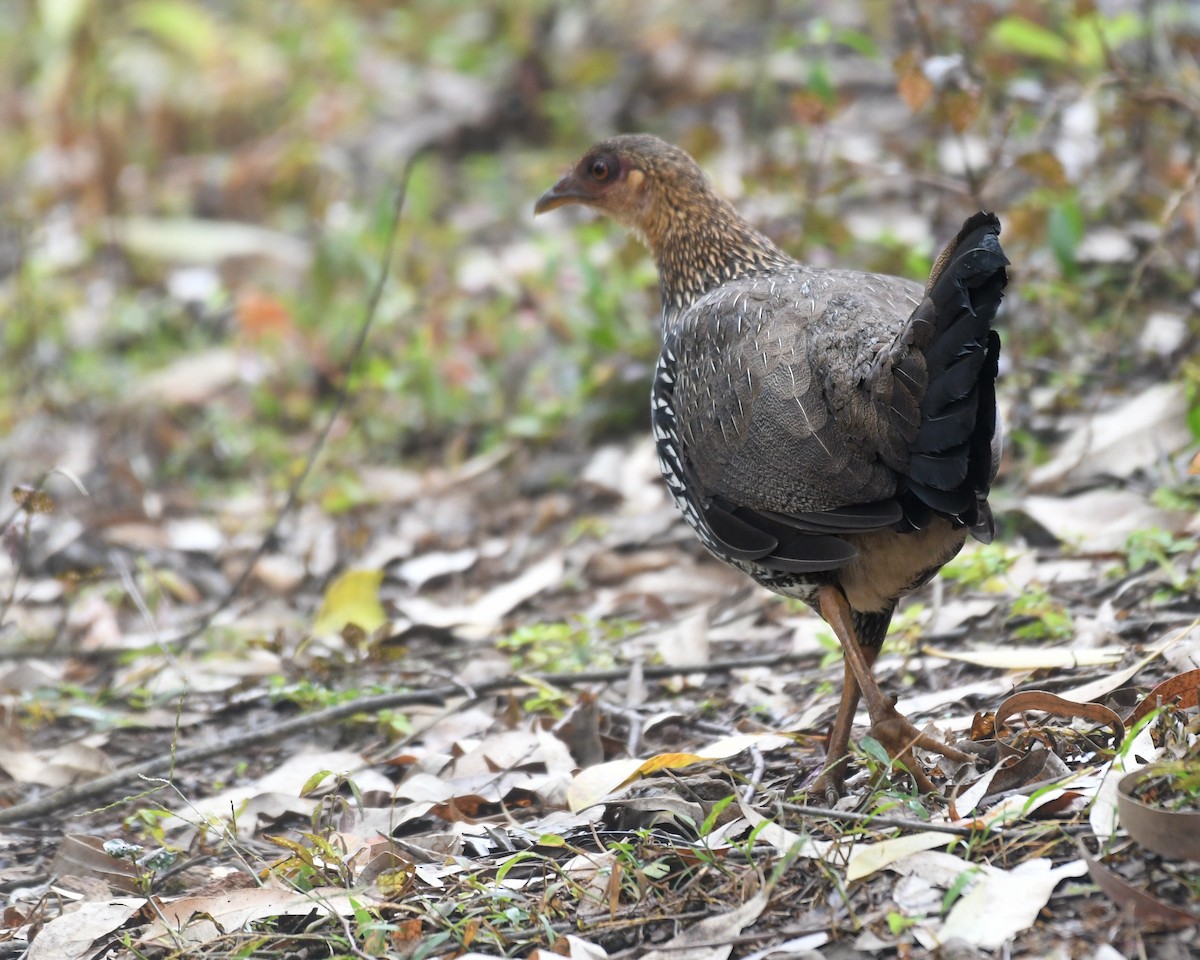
{"points": [[234, 745]]}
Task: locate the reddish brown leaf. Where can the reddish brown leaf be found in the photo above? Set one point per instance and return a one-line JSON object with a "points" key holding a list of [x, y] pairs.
{"points": [[914, 87], [1057, 706], [1044, 166], [1144, 907], [960, 108], [1183, 690], [1171, 833], [33, 501]]}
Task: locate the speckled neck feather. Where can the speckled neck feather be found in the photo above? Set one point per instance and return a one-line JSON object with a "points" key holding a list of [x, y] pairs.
{"points": [[698, 239]]}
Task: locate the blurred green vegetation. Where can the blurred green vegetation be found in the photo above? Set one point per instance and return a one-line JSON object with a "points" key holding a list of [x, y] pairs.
{"points": [[136, 131]]}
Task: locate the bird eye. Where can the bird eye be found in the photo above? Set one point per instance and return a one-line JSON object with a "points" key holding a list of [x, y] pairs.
{"points": [[599, 169]]}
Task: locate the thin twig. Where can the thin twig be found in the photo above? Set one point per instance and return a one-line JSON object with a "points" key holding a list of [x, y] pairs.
{"points": [[900, 823], [339, 403]]}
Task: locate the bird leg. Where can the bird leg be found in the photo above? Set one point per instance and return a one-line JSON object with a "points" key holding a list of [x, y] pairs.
{"points": [[832, 780], [893, 730]]}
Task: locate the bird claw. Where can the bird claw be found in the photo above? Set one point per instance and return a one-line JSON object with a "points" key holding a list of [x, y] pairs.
{"points": [[897, 735]]}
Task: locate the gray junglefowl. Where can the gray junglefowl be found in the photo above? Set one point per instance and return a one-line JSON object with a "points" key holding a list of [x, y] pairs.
{"points": [[829, 432]]}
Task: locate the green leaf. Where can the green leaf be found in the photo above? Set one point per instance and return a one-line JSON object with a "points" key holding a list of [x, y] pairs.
{"points": [[1193, 419], [187, 27], [1064, 231], [859, 42], [1021, 36], [874, 749], [958, 887], [711, 820], [314, 781]]}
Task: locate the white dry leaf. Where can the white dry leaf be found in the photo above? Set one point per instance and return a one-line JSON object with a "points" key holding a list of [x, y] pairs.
{"points": [[1184, 654], [437, 728], [314, 537], [954, 612], [789, 843], [1163, 332], [435, 874], [386, 484], [136, 536], [935, 699], [1099, 520], [286, 780], [1129, 437], [73, 935], [1001, 904], [597, 782], [29, 675], [712, 938], [1102, 817], [960, 154], [420, 570], [1017, 806], [685, 642], [810, 634], [70, 764], [605, 469], [1031, 658], [914, 896], [193, 379], [194, 535], [1095, 689], [895, 222], [966, 802], [577, 949], [167, 678], [514, 748], [219, 915], [385, 820], [1106, 245], [207, 242], [794, 949], [280, 573], [866, 858], [935, 867], [482, 618]]}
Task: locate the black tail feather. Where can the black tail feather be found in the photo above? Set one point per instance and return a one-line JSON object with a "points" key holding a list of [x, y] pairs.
{"points": [[951, 464]]}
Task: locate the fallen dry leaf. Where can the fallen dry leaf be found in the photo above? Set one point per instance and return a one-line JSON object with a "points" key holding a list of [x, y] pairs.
{"points": [[1174, 834], [482, 618], [866, 858], [1002, 903], [595, 783], [1133, 435], [1147, 909], [1030, 658], [713, 937], [1100, 520], [84, 932], [352, 599], [198, 920]]}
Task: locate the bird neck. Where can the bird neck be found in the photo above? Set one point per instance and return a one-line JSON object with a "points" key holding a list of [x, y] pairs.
{"points": [[700, 242]]}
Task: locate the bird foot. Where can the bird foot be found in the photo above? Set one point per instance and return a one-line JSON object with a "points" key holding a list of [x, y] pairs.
{"points": [[897, 734], [831, 784]]}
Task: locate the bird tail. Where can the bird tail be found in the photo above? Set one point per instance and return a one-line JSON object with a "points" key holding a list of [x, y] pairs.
{"points": [[957, 448]]}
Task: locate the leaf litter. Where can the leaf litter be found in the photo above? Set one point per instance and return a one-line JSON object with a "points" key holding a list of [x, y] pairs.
{"points": [[639, 806]]}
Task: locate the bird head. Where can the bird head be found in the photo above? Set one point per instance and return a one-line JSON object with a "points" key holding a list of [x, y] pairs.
{"points": [[637, 179]]}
